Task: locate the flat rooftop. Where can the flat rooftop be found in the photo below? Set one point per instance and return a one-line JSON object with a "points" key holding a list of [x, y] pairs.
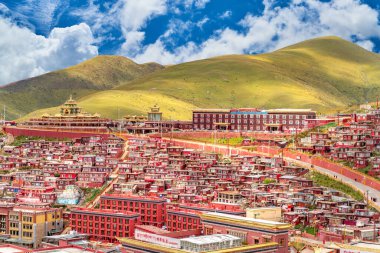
{"points": [[207, 239], [65, 250], [10, 249], [245, 220]]}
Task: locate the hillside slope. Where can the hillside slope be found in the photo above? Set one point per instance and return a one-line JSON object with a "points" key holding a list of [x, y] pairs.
{"points": [[325, 74], [52, 89], [322, 74]]}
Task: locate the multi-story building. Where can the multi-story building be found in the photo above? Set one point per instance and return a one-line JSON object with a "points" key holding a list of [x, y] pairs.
{"points": [[251, 231], [178, 219], [104, 224], [91, 179], [27, 225], [4, 217], [151, 209], [251, 119]]}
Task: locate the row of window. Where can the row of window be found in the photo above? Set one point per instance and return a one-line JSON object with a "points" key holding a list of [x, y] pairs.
{"points": [[128, 203], [250, 116], [232, 121], [97, 218], [177, 226], [100, 225], [102, 232], [141, 211], [182, 219], [234, 127]]}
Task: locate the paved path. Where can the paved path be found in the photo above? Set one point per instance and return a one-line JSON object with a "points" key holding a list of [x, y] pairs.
{"points": [[114, 176], [372, 193]]}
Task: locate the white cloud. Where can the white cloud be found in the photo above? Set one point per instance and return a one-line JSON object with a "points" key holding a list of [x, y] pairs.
{"points": [[45, 14], [366, 44], [199, 4], [24, 54], [99, 20], [133, 17], [275, 28], [226, 14], [202, 22]]}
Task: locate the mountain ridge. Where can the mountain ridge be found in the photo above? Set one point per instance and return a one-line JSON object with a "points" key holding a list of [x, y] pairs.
{"points": [[325, 74], [53, 88]]}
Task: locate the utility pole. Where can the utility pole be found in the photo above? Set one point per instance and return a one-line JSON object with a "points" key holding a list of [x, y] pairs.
{"points": [[119, 119], [214, 139], [367, 199], [160, 127], [171, 132]]}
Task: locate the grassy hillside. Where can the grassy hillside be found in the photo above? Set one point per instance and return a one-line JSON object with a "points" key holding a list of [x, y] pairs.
{"points": [[112, 103], [324, 74], [52, 89]]}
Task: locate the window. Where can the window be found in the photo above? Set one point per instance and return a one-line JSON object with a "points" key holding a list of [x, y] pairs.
{"points": [[27, 226], [242, 235], [27, 218]]}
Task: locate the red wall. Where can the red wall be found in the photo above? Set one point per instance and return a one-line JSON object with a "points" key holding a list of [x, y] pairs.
{"points": [[210, 134], [15, 131]]}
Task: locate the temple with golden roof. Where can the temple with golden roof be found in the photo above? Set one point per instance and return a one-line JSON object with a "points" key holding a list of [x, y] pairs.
{"points": [[71, 118]]}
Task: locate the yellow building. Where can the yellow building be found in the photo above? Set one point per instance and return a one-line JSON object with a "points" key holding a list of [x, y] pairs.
{"points": [[28, 225], [265, 213]]}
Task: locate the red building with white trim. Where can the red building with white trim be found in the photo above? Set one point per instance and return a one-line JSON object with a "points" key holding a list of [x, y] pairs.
{"points": [[252, 119]]}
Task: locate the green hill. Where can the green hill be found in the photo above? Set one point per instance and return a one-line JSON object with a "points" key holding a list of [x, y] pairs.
{"points": [[52, 89], [325, 74]]}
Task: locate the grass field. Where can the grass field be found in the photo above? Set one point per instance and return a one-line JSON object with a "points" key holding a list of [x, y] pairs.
{"points": [[323, 180], [326, 74], [114, 103]]}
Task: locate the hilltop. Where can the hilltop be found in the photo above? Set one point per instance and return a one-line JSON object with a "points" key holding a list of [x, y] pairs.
{"points": [[52, 89], [324, 74]]}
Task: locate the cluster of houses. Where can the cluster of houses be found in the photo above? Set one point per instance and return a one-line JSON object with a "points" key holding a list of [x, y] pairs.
{"points": [[166, 193], [356, 141], [38, 174], [167, 198]]}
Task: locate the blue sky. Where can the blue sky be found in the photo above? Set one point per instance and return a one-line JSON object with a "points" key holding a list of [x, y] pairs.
{"points": [[38, 36]]}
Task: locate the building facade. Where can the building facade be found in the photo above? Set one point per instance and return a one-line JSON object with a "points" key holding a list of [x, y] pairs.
{"points": [[252, 119], [151, 209], [104, 224], [27, 225], [251, 231]]}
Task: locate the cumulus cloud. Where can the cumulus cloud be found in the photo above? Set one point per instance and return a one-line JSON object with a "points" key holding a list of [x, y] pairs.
{"points": [[133, 16], [24, 54], [366, 44], [276, 27], [99, 21]]}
